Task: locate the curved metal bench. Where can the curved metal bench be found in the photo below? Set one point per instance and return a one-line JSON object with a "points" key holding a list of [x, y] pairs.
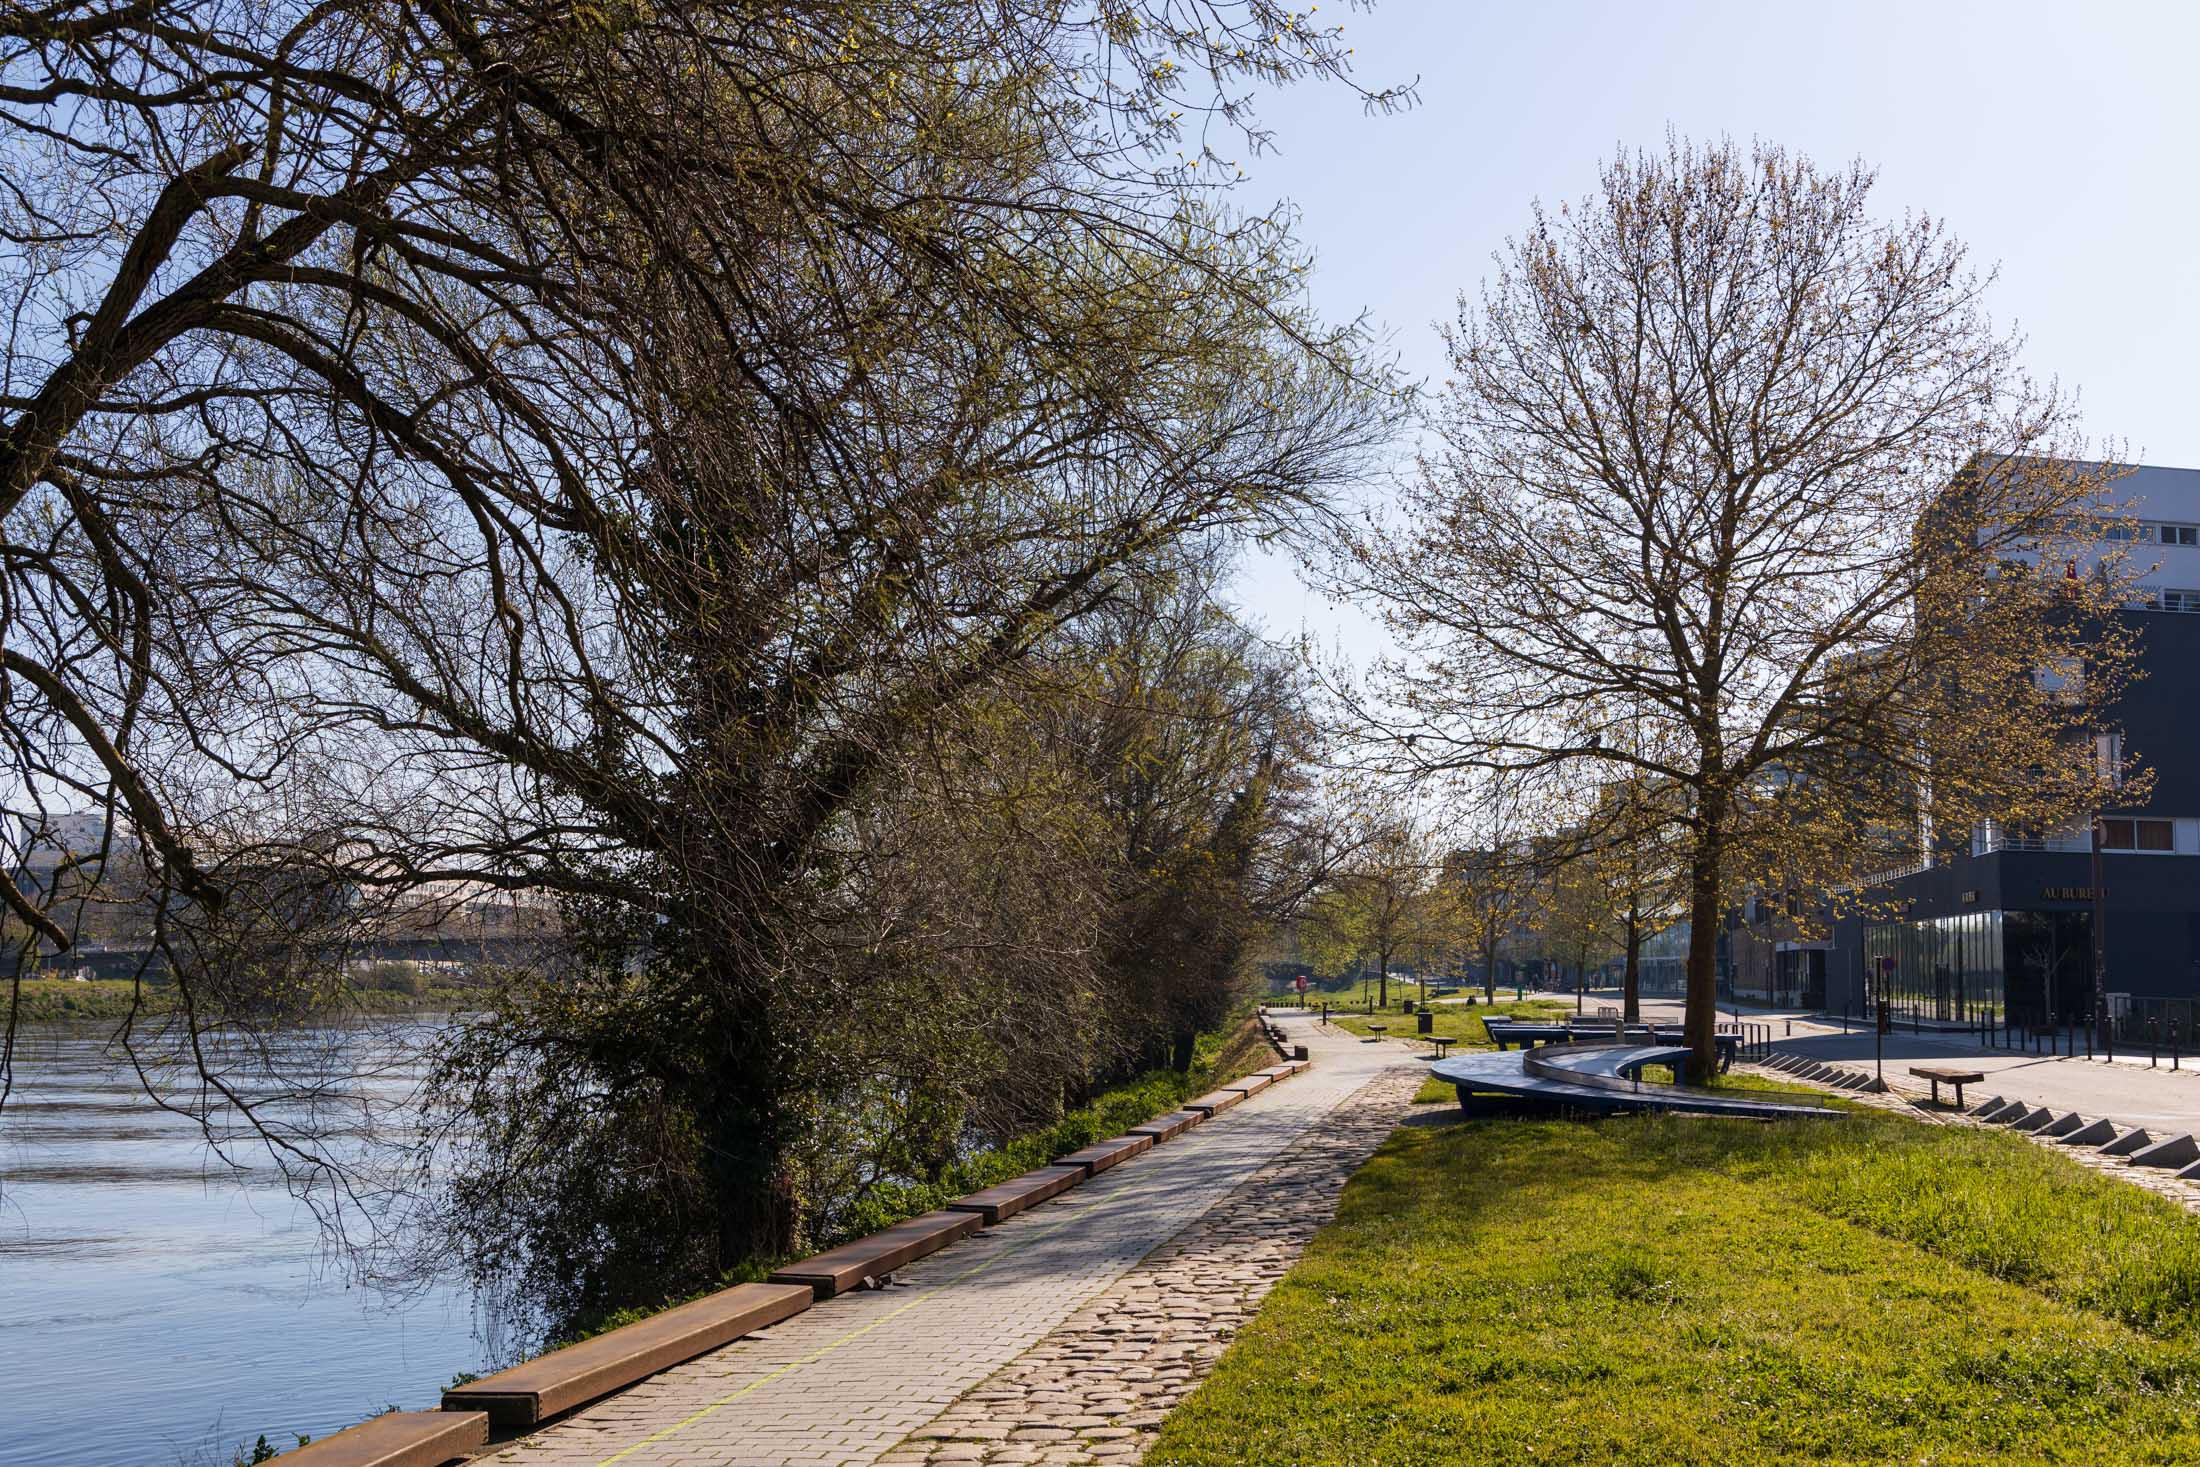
{"points": [[1592, 1077]]}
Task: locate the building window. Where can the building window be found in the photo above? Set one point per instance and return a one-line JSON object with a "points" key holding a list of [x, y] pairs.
{"points": [[2178, 534], [2181, 600], [2119, 834]]}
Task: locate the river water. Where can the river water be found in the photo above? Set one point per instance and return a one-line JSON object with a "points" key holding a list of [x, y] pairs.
{"points": [[157, 1306]]}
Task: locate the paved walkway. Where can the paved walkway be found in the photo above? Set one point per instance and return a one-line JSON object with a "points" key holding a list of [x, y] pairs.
{"points": [[852, 1378], [2163, 1100]]}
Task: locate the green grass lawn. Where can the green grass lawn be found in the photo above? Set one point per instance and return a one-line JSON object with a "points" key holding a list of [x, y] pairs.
{"points": [[1456, 1021], [1672, 1290]]}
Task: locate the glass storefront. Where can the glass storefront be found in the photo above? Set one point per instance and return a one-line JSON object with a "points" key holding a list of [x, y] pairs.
{"points": [[1982, 967]]}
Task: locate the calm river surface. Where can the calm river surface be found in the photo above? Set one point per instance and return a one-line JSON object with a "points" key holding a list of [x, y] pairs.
{"points": [[156, 1308]]}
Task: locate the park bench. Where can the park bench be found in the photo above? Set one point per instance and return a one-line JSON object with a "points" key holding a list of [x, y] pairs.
{"points": [[1936, 1075], [1214, 1102], [399, 1439], [1443, 1043], [530, 1393], [1006, 1199], [1168, 1127], [837, 1270], [1101, 1155], [1252, 1084]]}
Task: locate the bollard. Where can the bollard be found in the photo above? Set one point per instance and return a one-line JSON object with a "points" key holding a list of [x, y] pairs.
{"points": [[2154, 1046]]}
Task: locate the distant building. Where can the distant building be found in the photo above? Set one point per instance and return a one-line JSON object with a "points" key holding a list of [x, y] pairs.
{"points": [[48, 844], [2000, 927]]}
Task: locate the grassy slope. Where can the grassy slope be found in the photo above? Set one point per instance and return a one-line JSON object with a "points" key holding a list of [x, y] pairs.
{"points": [[1675, 1290]]}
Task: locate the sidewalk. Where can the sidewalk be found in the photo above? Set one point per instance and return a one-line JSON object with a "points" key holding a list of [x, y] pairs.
{"points": [[2163, 1100], [847, 1381]]}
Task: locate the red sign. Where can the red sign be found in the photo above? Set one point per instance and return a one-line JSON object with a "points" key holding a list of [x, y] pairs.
{"points": [[1301, 980]]}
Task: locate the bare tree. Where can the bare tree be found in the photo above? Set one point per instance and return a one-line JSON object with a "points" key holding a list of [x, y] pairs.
{"points": [[586, 455], [1735, 492]]}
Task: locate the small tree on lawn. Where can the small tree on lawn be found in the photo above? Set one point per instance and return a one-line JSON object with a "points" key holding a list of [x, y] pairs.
{"points": [[1740, 491], [1387, 898]]}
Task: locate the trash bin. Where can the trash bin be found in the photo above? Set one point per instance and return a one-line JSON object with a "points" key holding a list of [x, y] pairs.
{"points": [[1425, 1022]]}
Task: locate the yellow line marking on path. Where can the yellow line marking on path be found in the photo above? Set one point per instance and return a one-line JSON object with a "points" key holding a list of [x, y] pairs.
{"points": [[861, 1330]]}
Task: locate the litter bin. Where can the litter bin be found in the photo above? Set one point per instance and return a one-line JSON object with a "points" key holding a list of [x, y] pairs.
{"points": [[1424, 1022]]}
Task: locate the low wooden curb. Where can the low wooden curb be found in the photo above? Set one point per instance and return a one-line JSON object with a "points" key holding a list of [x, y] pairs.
{"points": [[1101, 1155], [1214, 1102], [398, 1439], [549, 1384], [838, 1270], [1006, 1199], [1168, 1127]]}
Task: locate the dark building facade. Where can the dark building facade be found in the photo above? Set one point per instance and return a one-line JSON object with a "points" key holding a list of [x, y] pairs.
{"points": [[2003, 930]]}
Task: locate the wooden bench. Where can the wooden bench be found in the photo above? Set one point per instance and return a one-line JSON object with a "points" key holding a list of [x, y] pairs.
{"points": [[1101, 1155], [1214, 1102], [1006, 1199], [1443, 1044], [1936, 1074], [550, 1384], [399, 1439], [1168, 1127], [838, 1270]]}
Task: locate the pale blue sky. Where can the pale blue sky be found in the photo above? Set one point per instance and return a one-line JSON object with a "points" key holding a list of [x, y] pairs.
{"points": [[2059, 141]]}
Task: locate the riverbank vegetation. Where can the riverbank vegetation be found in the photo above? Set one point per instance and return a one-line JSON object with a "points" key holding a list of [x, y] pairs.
{"points": [[66, 1000], [1648, 1290], [1236, 1050], [758, 487]]}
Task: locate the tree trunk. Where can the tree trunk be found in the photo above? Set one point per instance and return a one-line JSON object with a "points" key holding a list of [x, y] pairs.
{"points": [[1631, 985], [1702, 1018], [1489, 968], [1382, 980], [1182, 1050]]}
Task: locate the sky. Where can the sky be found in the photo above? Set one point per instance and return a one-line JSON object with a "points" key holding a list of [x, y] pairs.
{"points": [[2058, 141]]}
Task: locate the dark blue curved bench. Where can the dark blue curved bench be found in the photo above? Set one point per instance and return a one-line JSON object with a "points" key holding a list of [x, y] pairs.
{"points": [[1605, 1079]]}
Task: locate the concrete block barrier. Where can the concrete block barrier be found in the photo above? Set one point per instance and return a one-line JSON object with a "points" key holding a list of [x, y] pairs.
{"points": [[2132, 1140], [1988, 1106], [2032, 1119], [399, 1439], [2175, 1151], [1006, 1199], [2092, 1133], [2068, 1123], [1101, 1155], [2190, 1173], [557, 1382], [838, 1270], [1251, 1084], [1168, 1127]]}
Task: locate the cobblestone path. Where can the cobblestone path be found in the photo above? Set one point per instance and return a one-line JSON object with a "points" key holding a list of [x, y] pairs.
{"points": [[848, 1381], [1095, 1390]]}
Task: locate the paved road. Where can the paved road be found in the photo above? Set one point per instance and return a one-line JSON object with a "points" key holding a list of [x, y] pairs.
{"points": [[847, 1381]]}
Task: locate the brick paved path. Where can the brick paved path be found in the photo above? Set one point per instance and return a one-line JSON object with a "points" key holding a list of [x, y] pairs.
{"points": [[852, 1378], [1095, 1390]]}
